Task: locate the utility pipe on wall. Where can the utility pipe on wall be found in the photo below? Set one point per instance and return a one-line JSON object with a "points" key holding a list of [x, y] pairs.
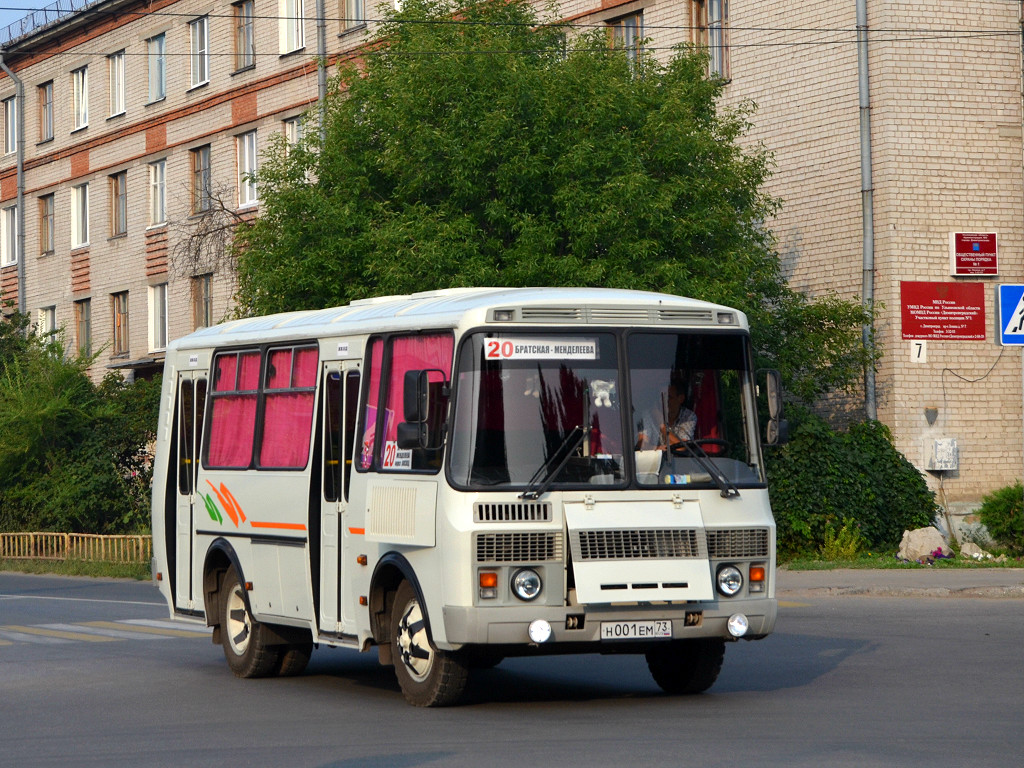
{"points": [[867, 202], [19, 101]]}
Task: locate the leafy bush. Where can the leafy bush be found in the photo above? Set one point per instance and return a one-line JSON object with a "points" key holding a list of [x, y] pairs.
{"points": [[824, 477], [72, 453], [1002, 513], [844, 544]]}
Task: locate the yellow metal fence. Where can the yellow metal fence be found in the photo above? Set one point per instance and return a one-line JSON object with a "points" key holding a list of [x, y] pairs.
{"points": [[76, 546]]}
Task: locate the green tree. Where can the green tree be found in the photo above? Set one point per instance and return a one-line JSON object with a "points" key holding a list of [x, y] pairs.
{"points": [[72, 453], [474, 145]]}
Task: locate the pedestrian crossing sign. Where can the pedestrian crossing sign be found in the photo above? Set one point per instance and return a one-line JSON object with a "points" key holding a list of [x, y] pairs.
{"points": [[1011, 315]]}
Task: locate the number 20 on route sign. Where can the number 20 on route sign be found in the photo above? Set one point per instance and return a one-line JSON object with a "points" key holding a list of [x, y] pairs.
{"points": [[1011, 315]]}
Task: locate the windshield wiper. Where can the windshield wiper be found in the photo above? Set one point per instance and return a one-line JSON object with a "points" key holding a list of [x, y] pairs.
{"points": [[708, 465], [548, 471]]}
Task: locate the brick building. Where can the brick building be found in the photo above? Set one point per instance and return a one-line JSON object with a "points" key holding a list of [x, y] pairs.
{"points": [[136, 113]]}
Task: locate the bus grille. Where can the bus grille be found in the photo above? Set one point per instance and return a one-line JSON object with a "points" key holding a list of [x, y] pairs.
{"points": [[518, 547], [515, 512], [737, 542], [642, 544]]}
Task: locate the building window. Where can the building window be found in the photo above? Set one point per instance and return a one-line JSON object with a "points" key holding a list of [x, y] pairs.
{"points": [[711, 22], [47, 322], [355, 14], [83, 326], [118, 203], [9, 242], [247, 168], [293, 130], [157, 192], [158, 316], [10, 125], [199, 32], [119, 312], [290, 31], [245, 41], [157, 57], [46, 227], [202, 190], [80, 216], [45, 93], [627, 33], [202, 301], [115, 72], [80, 98]]}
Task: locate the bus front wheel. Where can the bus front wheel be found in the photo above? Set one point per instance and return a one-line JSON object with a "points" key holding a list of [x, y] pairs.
{"points": [[687, 666], [428, 677], [243, 638]]}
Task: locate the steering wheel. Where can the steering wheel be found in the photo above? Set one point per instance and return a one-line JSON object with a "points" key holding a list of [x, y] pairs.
{"points": [[683, 449]]}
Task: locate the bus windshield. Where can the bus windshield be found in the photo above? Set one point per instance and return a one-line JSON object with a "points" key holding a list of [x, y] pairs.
{"points": [[584, 409]]}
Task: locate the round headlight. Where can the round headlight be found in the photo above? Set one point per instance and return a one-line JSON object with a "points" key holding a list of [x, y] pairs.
{"points": [[526, 584], [730, 580], [738, 625]]}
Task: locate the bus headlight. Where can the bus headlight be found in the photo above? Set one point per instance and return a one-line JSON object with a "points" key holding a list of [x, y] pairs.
{"points": [[730, 580], [526, 584]]}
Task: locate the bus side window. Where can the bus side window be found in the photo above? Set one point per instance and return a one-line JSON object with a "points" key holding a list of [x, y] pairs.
{"points": [[186, 438], [351, 417], [332, 440]]}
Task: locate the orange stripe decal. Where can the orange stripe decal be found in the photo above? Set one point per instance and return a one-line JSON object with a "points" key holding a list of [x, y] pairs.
{"points": [[228, 508], [234, 502], [279, 526], [357, 531]]}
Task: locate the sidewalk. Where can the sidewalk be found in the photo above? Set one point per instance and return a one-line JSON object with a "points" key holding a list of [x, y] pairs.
{"points": [[923, 582]]}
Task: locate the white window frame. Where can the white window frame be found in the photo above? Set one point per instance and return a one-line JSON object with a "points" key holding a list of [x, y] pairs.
{"points": [[80, 98], [156, 54], [9, 240], [291, 25], [45, 94], [293, 129], [80, 215], [248, 164], [245, 36], [10, 125], [199, 35], [115, 75], [718, 37], [355, 14], [158, 317], [158, 192], [46, 321]]}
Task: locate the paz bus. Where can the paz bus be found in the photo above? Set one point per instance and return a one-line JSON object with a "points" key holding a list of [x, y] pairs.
{"points": [[460, 476]]}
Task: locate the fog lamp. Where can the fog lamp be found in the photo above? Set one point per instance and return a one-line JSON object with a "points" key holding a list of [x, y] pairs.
{"points": [[738, 625], [526, 584], [540, 631]]}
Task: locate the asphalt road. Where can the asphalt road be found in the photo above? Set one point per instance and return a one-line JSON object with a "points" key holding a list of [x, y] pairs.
{"points": [[91, 674]]}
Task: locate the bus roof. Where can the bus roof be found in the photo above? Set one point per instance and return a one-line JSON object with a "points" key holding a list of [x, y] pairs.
{"points": [[451, 307]]}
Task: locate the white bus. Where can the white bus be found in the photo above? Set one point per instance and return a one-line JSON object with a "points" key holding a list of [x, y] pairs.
{"points": [[460, 476]]}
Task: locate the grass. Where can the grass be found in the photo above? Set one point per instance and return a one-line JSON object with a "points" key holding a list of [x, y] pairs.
{"points": [[889, 561], [137, 571]]}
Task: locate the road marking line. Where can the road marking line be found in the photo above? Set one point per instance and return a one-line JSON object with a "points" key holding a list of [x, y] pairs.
{"points": [[75, 599], [21, 637], [96, 628], [59, 633], [790, 604], [180, 626], [150, 633]]}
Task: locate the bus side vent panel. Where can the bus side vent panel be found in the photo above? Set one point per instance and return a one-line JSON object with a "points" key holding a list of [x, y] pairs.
{"points": [[737, 542], [518, 547], [552, 314], [640, 544], [514, 512], [686, 316]]}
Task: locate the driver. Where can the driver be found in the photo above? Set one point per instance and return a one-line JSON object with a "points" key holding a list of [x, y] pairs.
{"points": [[674, 421]]}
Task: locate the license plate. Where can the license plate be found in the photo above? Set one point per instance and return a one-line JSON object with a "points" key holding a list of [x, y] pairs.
{"points": [[636, 630]]}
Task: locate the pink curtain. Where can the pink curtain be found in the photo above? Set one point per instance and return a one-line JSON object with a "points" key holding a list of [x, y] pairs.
{"points": [[232, 427], [287, 425], [414, 353]]}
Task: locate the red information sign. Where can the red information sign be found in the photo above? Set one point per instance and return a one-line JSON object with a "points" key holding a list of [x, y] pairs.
{"points": [[943, 310], [973, 253]]}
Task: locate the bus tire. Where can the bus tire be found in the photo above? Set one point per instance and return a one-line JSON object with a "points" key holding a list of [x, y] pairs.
{"points": [[243, 638], [294, 658], [687, 666], [427, 676]]}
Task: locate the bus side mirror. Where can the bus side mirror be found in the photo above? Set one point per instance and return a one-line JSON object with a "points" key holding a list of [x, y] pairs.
{"points": [[414, 396], [777, 431]]}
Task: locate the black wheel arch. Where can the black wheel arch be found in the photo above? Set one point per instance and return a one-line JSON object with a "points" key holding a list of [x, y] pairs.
{"points": [[390, 571], [220, 556]]}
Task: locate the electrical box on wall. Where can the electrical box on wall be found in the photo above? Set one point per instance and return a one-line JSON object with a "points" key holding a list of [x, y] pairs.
{"points": [[942, 455]]}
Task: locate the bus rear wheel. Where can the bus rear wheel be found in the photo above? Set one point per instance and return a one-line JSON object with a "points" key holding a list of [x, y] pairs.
{"points": [[687, 666], [243, 638], [428, 677]]}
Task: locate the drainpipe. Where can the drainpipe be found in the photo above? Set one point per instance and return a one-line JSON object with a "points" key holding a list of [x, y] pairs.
{"points": [[321, 67], [19, 101], [867, 201]]}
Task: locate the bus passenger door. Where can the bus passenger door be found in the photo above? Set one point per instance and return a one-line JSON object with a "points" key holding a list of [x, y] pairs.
{"points": [[341, 393], [191, 404]]}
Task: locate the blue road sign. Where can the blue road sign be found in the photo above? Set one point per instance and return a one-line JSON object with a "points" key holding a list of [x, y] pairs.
{"points": [[1011, 315]]}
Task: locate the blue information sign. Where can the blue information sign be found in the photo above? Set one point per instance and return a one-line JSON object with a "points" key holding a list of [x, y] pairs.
{"points": [[1011, 315]]}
